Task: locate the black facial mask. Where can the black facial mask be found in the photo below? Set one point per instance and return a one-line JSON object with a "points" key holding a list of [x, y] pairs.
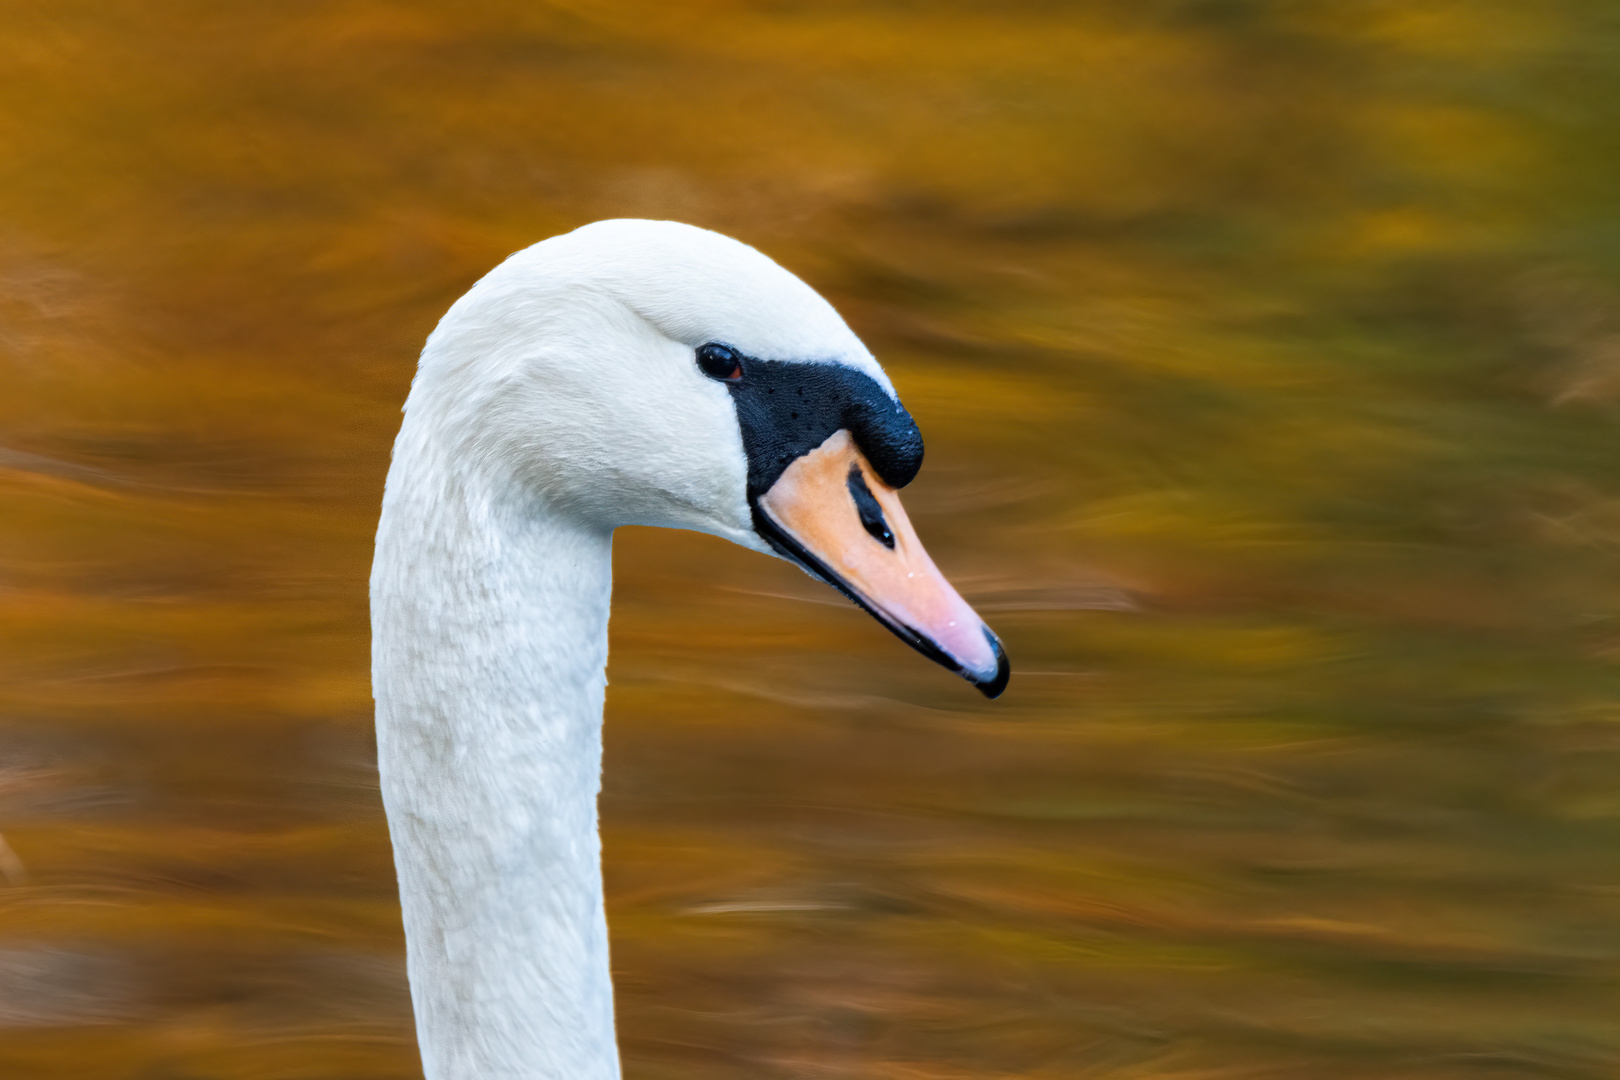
{"points": [[787, 408]]}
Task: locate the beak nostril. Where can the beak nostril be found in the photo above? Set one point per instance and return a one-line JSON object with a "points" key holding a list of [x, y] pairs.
{"points": [[866, 505], [803, 518]]}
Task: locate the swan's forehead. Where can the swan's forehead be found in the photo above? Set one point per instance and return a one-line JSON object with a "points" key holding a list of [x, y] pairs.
{"points": [[697, 286]]}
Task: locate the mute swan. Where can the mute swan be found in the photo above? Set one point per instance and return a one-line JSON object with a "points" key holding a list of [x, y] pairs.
{"points": [[629, 372]]}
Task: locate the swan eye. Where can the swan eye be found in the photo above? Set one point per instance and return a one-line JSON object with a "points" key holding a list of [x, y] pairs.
{"points": [[719, 362]]}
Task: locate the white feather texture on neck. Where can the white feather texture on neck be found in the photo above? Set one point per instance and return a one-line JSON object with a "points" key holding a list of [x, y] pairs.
{"points": [[555, 401]]}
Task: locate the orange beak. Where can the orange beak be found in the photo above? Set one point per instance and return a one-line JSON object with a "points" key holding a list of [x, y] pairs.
{"points": [[830, 512]]}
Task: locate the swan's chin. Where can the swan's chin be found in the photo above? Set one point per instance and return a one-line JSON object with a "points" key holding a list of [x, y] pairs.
{"points": [[832, 514]]}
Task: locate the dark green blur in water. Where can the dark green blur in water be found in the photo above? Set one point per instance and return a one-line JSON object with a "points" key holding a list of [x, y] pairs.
{"points": [[1268, 355]]}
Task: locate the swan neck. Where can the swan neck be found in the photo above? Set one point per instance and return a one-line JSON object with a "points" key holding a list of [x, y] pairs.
{"points": [[489, 648]]}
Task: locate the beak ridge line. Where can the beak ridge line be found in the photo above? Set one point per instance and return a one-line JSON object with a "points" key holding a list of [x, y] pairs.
{"points": [[794, 551]]}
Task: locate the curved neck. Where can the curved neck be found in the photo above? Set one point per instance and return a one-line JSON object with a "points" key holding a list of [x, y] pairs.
{"points": [[489, 642]]}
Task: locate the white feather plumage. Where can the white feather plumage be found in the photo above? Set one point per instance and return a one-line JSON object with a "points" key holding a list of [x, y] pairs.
{"points": [[555, 401]]}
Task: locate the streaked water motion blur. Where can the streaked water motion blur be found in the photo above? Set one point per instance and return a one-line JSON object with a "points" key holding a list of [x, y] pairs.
{"points": [[1268, 355]]}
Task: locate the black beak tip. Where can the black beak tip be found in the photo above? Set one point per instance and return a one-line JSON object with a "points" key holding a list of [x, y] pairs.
{"points": [[993, 686]]}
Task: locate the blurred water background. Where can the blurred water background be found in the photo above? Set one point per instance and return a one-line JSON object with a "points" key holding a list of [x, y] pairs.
{"points": [[1268, 355]]}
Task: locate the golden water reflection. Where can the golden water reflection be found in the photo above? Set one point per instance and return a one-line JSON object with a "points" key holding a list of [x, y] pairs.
{"points": [[1268, 355]]}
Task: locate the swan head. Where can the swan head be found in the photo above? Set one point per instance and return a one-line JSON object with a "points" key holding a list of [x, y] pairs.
{"points": [[652, 373]]}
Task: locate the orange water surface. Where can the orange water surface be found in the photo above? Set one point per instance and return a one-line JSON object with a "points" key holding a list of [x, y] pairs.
{"points": [[1268, 354]]}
